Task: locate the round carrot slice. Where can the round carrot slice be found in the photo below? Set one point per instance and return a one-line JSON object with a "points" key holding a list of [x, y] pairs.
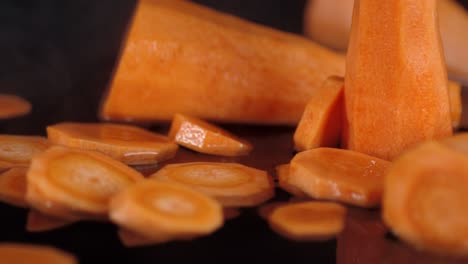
{"points": [[308, 220], [17, 151], [157, 209], [13, 253], [13, 106], [129, 144], [231, 184], [13, 187], [282, 172], [64, 180]]}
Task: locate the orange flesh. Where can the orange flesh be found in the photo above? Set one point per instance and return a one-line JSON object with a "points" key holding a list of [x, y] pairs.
{"points": [[230, 184], [396, 81], [39, 222], [247, 72], [200, 136], [13, 253], [17, 151], [13, 106], [13, 187], [320, 125], [458, 142], [341, 175], [129, 144], [282, 172], [456, 105]]}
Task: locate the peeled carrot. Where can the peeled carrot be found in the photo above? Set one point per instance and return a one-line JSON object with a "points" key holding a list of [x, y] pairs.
{"points": [[13, 187], [308, 220], [72, 183], [129, 144], [396, 80], [14, 253], [231, 184], [165, 211], [425, 197], [242, 72], [13, 106], [39, 222], [203, 137], [342, 175], [321, 122], [282, 172], [17, 151], [456, 105]]}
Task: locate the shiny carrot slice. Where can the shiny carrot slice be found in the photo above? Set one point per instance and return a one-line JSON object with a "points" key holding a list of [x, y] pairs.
{"points": [[340, 175], [39, 222], [66, 182], [425, 199], [282, 172], [17, 151], [13, 106], [13, 187], [456, 105], [129, 144], [203, 137], [231, 184], [13, 253], [320, 124], [158, 210], [308, 220]]}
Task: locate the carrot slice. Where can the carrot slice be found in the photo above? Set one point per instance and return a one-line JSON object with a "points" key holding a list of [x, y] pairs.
{"points": [[66, 182], [14, 253], [282, 172], [17, 151], [13, 187], [425, 199], [39, 222], [159, 210], [337, 174], [456, 105], [129, 144], [320, 125], [308, 220], [13, 106], [203, 137], [231, 184]]}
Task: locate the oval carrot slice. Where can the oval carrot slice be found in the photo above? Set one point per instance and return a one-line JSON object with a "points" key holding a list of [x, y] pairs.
{"points": [[39, 222], [129, 144], [308, 220], [13, 106], [282, 172], [17, 151], [203, 137], [13, 187], [425, 199], [158, 210], [66, 182], [341, 175], [231, 184], [14, 253]]}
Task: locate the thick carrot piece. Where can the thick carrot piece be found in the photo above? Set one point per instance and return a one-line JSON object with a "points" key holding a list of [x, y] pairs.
{"points": [[14, 253], [308, 221], [39, 222], [231, 184], [425, 199], [13, 106], [76, 184], [159, 210], [17, 151], [129, 144], [396, 81], [13, 187], [456, 105], [243, 72], [203, 137], [321, 122], [342, 175], [282, 173]]}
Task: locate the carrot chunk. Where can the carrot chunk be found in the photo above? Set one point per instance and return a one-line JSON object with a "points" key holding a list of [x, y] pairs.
{"points": [[320, 125], [308, 220], [203, 137], [13, 106], [14, 253], [425, 197], [129, 144], [39, 222], [70, 183], [159, 210], [282, 173], [13, 187], [341, 175], [17, 151], [231, 184], [456, 105]]}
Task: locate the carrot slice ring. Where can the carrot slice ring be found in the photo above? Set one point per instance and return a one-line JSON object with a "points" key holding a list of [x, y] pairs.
{"points": [[129, 144], [17, 151], [13, 106], [282, 172], [231, 184], [39, 222], [13, 253], [13, 187]]}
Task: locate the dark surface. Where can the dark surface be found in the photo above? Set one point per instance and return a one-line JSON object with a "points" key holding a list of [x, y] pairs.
{"points": [[60, 54]]}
